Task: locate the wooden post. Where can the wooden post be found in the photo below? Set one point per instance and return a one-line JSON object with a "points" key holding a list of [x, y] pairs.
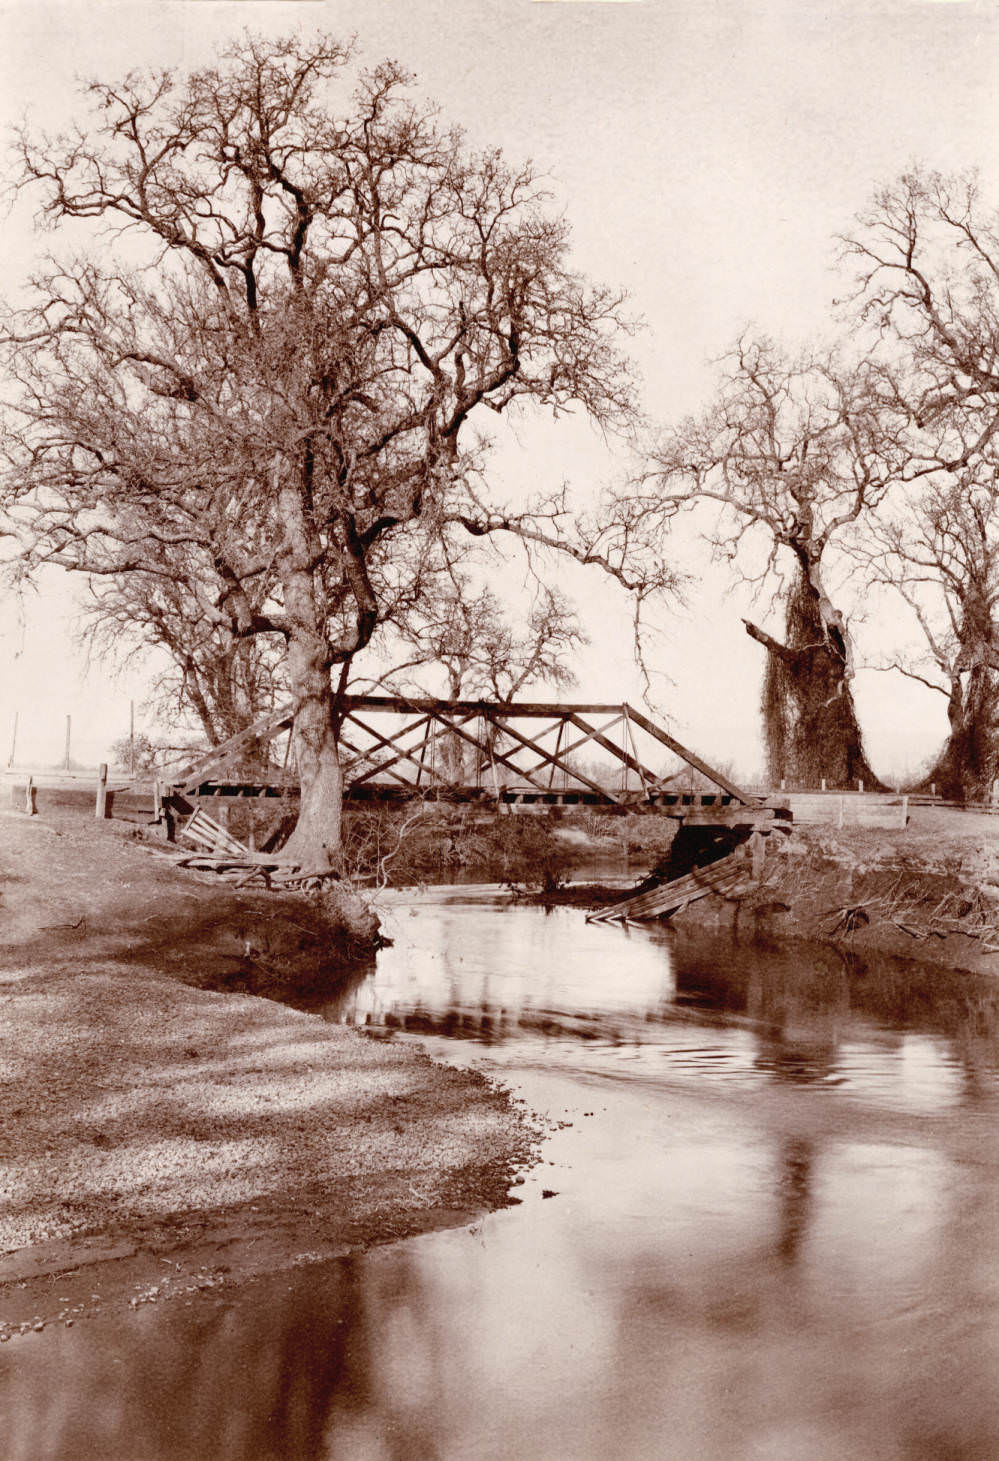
{"points": [[13, 740], [860, 785], [31, 798], [758, 851], [823, 783], [905, 811], [101, 806], [157, 802], [933, 788]]}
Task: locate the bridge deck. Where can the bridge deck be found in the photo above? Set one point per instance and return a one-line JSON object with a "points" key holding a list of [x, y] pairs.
{"points": [[687, 804]]}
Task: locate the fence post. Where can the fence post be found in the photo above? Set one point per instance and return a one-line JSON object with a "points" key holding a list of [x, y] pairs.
{"points": [[31, 798], [905, 811], [823, 783], [101, 805]]}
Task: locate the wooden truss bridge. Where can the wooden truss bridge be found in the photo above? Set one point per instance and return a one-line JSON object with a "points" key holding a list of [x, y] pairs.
{"points": [[516, 753]]}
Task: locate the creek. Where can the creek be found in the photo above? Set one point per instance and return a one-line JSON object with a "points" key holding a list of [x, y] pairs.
{"points": [[763, 1225]]}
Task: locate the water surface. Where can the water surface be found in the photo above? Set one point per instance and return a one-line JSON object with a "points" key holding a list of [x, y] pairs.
{"points": [[764, 1225]]}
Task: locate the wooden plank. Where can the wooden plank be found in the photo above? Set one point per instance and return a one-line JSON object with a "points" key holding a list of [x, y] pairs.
{"points": [[731, 816], [532, 709], [723, 877], [204, 832], [266, 727]]}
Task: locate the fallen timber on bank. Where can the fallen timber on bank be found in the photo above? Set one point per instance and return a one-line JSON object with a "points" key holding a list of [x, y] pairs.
{"points": [[218, 852], [729, 877]]}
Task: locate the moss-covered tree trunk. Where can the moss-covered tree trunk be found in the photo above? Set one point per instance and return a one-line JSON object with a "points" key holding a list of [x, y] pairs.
{"points": [[810, 723], [968, 765]]}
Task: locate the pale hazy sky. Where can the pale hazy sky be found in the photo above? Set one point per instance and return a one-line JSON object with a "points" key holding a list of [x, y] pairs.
{"points": [[705, 153]]}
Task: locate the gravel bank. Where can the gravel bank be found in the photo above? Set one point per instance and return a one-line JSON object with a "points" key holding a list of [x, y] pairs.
{"points": [[152, 1126]]}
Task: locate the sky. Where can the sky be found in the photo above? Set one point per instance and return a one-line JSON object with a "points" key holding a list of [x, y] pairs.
{"points": [[706, 156]]}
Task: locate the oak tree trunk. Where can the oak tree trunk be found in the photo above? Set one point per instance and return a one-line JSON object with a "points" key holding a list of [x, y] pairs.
{"points": [[968, 765], [810, 721], [317, 841]]}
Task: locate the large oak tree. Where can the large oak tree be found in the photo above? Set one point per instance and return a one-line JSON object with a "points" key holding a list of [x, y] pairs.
{"points": [[938, 550], [263, 373], [789, 458], [926, 254]]}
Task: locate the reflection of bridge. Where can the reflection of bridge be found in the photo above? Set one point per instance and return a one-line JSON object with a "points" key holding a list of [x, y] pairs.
{"points": [[519, 752]]}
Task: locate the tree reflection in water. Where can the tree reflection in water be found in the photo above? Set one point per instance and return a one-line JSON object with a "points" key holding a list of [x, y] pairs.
{"points": [[773, 1236]]}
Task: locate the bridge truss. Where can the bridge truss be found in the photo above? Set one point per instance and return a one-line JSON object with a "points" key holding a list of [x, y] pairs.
{"points": [[516, 753]]}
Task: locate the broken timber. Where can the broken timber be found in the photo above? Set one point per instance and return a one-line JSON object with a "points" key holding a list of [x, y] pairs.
{"points": [[729, 877], [216, 851]]}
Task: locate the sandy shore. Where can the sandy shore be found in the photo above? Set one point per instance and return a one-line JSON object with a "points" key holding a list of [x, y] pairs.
{"points": [[160, 1136]]}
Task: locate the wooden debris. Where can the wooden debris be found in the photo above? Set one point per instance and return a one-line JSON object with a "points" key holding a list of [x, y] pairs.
{"points": [[217, 855], [729, 876], [211, 836]]}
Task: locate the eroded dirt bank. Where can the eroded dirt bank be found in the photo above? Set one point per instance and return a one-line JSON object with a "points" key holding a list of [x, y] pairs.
{"points": [[159, 1136], [929, 892]]}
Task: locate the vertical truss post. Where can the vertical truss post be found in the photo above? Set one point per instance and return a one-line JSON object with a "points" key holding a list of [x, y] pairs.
{"points": [[635, 756], [423, 754], [558, 747]]}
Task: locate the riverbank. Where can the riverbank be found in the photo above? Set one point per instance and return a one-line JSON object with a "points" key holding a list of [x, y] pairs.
{"points": [[163, 1129], [928, 892]]}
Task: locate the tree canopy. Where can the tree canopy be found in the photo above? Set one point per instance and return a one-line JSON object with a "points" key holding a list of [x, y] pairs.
{"points": [[260, 377]]}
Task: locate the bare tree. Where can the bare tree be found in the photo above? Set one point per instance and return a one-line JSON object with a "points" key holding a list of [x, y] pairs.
{"points": [[269, 363], [790, 457], [484, 654], [224, 681], [940, 552], [926, 251]]}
